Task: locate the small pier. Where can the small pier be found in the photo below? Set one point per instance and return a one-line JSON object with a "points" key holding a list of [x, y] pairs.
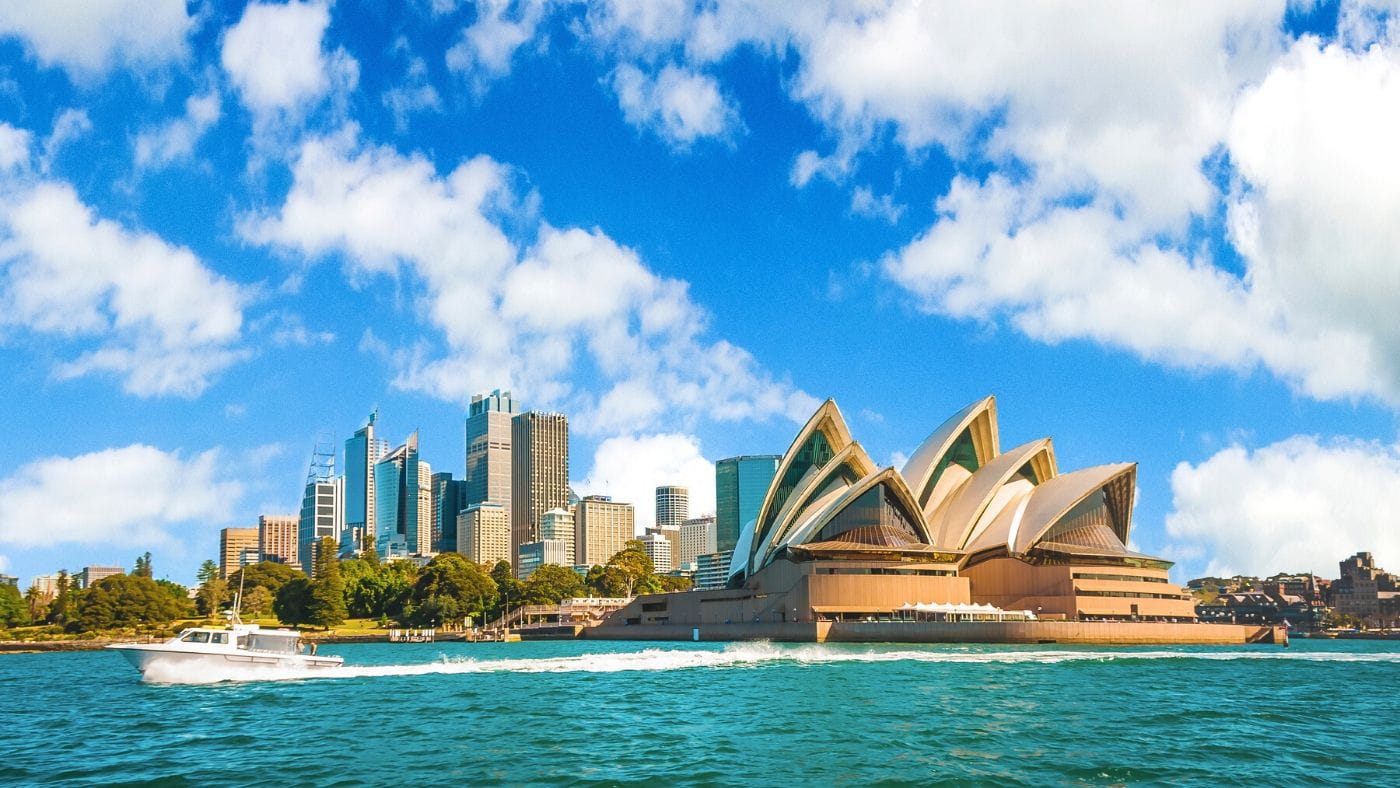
{"points": [[412, 635]]}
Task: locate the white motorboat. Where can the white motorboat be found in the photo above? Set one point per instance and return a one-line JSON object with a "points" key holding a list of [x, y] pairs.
{"points": [[220, 652]]}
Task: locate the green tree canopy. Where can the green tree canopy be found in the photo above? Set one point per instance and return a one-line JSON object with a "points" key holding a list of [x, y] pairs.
{"points": [[13, 611], [257, 602], [143, 565], [449, 588], [123, 601], [625, 571], [293, 601], [326, 607], [508, 589], [207, 571], [268, 574], [551, 584], [374, 589]]}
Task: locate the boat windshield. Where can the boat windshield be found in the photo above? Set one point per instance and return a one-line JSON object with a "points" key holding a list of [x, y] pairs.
{"points": [[274, 643], [195, 636]]}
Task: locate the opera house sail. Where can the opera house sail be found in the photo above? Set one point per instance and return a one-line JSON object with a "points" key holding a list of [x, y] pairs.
{"points": [[963, 528]]}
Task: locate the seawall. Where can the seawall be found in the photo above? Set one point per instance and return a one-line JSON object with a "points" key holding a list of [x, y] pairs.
{"points": [[1085, 632]]}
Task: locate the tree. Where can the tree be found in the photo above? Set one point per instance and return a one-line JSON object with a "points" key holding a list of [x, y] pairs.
{"points": [[209, 600], [508, 589], [207, 571], [177, 592], [37, 601], [326, 607], [143, 566], [625, 570], [449, 588], [257, 602], [551, 584], [123, 601], [13, 611], [61, 608], [266, 574], [375, 590], [293, 601]]}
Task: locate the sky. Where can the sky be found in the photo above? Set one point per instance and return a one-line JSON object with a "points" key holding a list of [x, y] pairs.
{"points": [[1164, 234]]}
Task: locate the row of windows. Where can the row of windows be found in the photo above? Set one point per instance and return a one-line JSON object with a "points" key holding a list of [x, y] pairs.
{"points": [[858, 570], [1133, 578], [1131, 594]]}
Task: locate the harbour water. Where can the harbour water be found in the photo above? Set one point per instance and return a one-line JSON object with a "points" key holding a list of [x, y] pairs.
{"points": [[582, 712]]}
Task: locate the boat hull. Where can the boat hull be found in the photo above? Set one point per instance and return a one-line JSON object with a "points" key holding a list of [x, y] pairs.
{"points": [[159, 662]]}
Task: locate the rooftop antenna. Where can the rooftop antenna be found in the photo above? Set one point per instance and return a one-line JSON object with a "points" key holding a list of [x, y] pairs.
{"points": [[322, 460]]}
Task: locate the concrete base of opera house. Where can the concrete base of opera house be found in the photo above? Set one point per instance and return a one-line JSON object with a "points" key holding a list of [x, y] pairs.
{"points": [[1081, 632]]}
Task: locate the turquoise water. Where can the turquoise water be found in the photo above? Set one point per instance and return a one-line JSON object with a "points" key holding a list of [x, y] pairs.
{"points": [[722, 714]]}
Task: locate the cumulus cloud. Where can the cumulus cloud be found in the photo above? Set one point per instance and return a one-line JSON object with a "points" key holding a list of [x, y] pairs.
{"points": [[487, 46], [132, 495], [162, 320], [87, 37], [630, 468], [1301, 504], [71, 124], [526, 314], [864, 202], [275, 59], [679, 105], [174, 140]]}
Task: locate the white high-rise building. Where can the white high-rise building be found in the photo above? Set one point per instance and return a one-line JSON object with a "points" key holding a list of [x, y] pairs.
{"points": [[483, 533], [558, 525], [672, 506], [658, 550], [602, 527]]}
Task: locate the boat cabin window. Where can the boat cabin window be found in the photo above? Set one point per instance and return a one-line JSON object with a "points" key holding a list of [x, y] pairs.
{"points": [[218, 637], [196, 637], [281, 645]]}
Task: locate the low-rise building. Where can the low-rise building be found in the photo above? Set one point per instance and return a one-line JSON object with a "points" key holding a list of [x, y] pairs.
{"points": [[1264, 607], [9, 580], [534, 555], [1367, 592], [712, 569], [91, 574]]}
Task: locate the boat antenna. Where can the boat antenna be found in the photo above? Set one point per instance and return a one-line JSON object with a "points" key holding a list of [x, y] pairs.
{"points": [[238, 598]]}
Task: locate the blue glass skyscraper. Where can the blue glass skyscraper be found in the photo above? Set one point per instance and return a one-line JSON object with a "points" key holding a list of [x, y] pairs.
{"points": [[740, 485]]}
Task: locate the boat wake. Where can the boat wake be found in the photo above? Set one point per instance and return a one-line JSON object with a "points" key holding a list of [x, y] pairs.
{"points": [[737, 655]]}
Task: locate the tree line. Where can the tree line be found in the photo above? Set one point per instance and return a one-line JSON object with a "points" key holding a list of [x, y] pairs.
{"points": [[450, 588]]}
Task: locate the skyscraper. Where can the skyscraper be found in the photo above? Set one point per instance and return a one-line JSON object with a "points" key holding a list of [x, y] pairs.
{"points": [[322, 506], [539, 473], [602, 527], [488, 432], [697, 538], [447, 502], [403, 503], [232, 543], [672, 506], [483, 533], [740, 486], [658, 549], [277, 538], [362, 452]]}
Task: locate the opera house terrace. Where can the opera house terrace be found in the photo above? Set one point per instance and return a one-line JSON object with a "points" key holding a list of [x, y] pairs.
{"points": [[965, 543]]}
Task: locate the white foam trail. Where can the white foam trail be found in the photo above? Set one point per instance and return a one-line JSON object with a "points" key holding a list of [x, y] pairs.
{"points": [[739, 655]]}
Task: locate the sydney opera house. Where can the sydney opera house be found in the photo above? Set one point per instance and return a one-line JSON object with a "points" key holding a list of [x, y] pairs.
{"points": [[966, 541]]}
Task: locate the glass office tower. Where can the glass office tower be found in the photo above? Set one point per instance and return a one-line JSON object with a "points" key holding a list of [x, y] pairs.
{"points": [[740, 485]]}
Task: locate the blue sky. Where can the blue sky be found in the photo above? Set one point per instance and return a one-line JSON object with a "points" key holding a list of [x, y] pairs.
{"points": [[228, 230]]}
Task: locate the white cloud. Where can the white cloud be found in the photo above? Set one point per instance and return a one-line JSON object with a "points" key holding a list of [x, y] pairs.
{"points": [[415, 93], [71, 124], [132, 495], [1080, 273], [679, 105], [163, 321], [175, 139], [86, 37], [630, 468], [512, 316], [488, 45], [274, 57], [14, 148], [864, 202], [1296, 505]]}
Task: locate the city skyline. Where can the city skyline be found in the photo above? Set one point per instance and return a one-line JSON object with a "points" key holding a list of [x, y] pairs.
{"points": [[684, 230]]}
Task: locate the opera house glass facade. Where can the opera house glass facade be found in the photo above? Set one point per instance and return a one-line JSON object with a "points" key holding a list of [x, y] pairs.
{"points": [[963, 522]]}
